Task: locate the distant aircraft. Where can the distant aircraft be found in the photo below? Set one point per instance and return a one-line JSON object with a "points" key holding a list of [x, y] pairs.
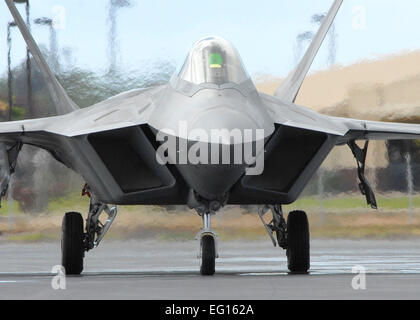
{"points": [[167, 146]]}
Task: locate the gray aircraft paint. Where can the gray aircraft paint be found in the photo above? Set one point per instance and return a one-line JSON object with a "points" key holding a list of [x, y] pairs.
{"points": [[90, 140]]}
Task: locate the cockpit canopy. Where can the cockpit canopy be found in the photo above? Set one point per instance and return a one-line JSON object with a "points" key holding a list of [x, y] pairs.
{"points": [[213, 60]]}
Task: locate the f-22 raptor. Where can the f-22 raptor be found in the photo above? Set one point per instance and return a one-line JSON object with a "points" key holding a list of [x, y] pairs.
{"points": [[132, 149]]}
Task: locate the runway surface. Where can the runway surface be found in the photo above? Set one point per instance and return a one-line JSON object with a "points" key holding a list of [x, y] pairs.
{"points": [[246, 270]]}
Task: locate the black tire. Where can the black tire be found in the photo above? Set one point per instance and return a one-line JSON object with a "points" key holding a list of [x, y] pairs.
{"points": [[298, 257], [72, 248], [208, 256]]}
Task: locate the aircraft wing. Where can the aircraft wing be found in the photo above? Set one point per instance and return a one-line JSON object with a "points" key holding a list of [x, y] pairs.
{"points": [[124, 110], [64, 137], [375, 130], [346, 129], [338, 131]]}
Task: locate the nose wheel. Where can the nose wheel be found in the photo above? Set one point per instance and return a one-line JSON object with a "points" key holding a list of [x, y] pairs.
{"points": [[208, 247], [208, 256]]}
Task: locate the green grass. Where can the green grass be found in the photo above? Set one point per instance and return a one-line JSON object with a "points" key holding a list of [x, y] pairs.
{"points": [[75, 202], [346, 216], [5, 209], [354, 202]]}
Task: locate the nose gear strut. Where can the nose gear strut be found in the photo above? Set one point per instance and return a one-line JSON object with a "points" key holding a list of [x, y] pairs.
{"points": [[208, 247]]}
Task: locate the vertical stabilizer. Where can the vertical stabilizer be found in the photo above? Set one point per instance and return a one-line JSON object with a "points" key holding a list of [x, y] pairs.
{"points": [[61, 100], [290, 87]]}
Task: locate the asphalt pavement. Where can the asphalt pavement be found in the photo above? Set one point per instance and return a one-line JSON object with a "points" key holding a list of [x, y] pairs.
{"points": [[149, 269]]}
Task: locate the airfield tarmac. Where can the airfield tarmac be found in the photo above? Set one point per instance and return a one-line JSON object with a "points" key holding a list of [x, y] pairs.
{"points": [[152, 269]]}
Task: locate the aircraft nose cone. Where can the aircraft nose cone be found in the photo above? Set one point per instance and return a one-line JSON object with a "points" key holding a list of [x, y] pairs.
{"points": [[209, 129], [224, 119]]}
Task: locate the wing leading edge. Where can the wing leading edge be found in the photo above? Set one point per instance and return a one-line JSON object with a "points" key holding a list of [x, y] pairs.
{"points": [[375, 130], [346, 129]]}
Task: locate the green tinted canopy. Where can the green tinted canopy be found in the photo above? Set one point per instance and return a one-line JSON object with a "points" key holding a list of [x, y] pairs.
{"points": [[215, 60]]}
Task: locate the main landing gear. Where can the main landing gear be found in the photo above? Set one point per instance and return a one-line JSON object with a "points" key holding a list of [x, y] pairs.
{"points": [[75, 242], [293, 236]]}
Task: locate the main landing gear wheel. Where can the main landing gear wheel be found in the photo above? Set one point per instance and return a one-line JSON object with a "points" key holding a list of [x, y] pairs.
{"points": [[298, 242], [208, 255], [72, 246]]}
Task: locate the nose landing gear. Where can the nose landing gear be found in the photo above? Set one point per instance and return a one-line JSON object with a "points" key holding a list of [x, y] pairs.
{"points": [[208, 250], [208, 247]]}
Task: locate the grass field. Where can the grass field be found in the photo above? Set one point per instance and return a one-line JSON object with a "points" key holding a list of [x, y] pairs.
{"points": [[345, 216]]}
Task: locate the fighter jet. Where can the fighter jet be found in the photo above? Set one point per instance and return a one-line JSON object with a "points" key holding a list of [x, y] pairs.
{"points": [[206, 139]]}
